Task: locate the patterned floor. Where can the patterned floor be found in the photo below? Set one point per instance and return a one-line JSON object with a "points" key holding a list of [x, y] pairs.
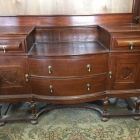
{"points": [[71, 124]]}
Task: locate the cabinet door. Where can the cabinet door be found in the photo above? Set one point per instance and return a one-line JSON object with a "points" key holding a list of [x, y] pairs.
{"points": [[125, 72], [12, 79]]}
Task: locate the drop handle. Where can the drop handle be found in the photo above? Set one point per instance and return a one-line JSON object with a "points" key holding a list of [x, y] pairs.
{"points": [[89, 67], [88, 86], [51, 88], [136, 17], [131, 45], [50, 69], [110, 74], [4, 49], [27, 77]]}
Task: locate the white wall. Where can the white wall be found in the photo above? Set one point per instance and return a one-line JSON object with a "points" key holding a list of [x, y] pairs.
{"points": [[66, 7]]}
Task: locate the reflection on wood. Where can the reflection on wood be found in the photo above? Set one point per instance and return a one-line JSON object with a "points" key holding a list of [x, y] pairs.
{"points": [[55, 7]]}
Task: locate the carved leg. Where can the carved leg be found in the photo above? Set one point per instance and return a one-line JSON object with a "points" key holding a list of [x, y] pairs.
{"points": [[1, 123], [105, 103], [137, 102], [32, 106]]}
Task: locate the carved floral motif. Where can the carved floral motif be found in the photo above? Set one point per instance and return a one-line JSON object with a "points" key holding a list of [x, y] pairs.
{"points": [[125, 73], [10, 76]]}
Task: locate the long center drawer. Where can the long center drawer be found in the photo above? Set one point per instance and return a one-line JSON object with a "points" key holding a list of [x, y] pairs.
{"points": [[80, 66], [68, 87]]}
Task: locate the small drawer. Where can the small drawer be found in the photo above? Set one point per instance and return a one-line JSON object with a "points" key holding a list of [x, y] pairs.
{"points": [[79, 66], [126, 44], [12, 45], [68, 87]]}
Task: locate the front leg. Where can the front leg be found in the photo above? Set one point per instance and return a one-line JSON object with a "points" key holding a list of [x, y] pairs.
{"points": [[33, 114], [1, 123], [105, 103], [137, 102]]}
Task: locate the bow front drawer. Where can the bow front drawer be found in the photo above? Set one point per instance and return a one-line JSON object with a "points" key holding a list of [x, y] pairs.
{"points": [[68, 87], [12, 45], [78, 66], [126, 43]]}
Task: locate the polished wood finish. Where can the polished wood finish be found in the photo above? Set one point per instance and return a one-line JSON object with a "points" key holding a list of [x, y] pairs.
{"points": [[15, 30], [16, 39], [136, 10], [121, 28], [138, 21], [68, 87], [65, 20], [119, 36], [68, 60], [125, 69], [125, 43], [12, 45], [66, 34], [67, 49], [80, 70], [68, 66], [12, 76]]}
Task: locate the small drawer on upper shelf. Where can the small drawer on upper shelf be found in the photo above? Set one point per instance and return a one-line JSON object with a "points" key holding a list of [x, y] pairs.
{"points": [[79, 66], [126, 44], [12, 45]]}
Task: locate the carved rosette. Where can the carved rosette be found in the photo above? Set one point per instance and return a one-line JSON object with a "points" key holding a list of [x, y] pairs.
{"points": [[125, 73], [10, 77]]}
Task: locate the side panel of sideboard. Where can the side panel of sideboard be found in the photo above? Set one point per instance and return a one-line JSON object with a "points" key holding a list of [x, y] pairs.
{"points": [[12, 77]]}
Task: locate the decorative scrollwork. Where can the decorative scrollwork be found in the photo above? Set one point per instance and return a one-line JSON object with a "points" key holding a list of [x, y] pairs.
{"points": [[125, 73], [10, 76]]}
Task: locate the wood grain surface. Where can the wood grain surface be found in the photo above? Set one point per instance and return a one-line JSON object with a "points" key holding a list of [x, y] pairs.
{"points": [[63, 7]]}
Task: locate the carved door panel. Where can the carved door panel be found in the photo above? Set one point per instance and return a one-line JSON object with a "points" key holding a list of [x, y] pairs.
{"points": [[125, 72], [12, 80]]}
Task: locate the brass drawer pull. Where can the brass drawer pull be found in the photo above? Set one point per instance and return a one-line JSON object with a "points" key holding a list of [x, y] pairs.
{"points": [[88, 86], [27, 77], [110, 74], [50, 69], [51, 88], [131, 45], [4, 49], [88, 67], [136, 17]]}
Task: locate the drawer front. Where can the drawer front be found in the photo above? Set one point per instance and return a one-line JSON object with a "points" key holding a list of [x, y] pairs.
{"points": [[126, 44], [69, 67], [12, 45], [68, 87]]}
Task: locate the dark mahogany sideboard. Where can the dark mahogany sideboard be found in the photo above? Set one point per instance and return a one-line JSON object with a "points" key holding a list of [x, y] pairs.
{"points": [[68, 64]]}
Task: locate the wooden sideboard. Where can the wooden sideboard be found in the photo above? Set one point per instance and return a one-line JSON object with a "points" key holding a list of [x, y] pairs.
{"points": [[65, 64]]}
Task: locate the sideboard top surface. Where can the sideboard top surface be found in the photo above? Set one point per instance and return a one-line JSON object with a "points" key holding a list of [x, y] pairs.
{"points": [[127, 27], [7, 30], [67, 48], [65, 20]]}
